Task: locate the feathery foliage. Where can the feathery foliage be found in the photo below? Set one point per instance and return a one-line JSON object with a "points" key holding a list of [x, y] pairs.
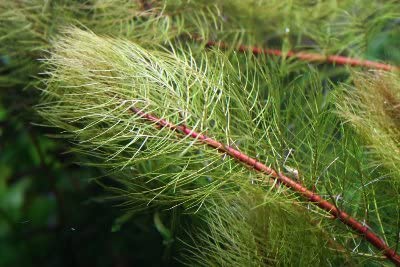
{"points": [[270, 232], [373, 108], [197, 93], [94, 82], [327, 27], [106, 59]]}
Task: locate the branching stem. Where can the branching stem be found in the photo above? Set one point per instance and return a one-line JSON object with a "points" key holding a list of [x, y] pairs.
{"points": [[312, 197], [310, 57]]}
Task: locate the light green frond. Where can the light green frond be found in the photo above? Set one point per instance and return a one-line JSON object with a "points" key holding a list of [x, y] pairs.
{"points": [[250, 230], [93, 84], [372, 106], [284, 118]]}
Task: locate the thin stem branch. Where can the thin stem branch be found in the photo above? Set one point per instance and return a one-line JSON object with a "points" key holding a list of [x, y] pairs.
{"points": [[309, 57], [312, 197]]}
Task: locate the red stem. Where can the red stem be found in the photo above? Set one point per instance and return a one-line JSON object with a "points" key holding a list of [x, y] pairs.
{"points": [[310, 57], [361, 229]]}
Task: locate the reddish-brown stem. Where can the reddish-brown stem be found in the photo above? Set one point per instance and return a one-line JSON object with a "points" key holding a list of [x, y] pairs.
{"points": [[358, 227], [310, 57]]}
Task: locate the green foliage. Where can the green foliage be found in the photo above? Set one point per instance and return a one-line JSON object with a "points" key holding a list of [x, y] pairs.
{"points": [[331, 130], [195, 93], [250, 229], [46, 215], [373, 108], [94, 82], [328, 27]]}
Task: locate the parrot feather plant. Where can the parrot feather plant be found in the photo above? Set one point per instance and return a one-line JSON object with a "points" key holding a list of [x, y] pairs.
{"points": [[213, 113], [183, 129]]}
